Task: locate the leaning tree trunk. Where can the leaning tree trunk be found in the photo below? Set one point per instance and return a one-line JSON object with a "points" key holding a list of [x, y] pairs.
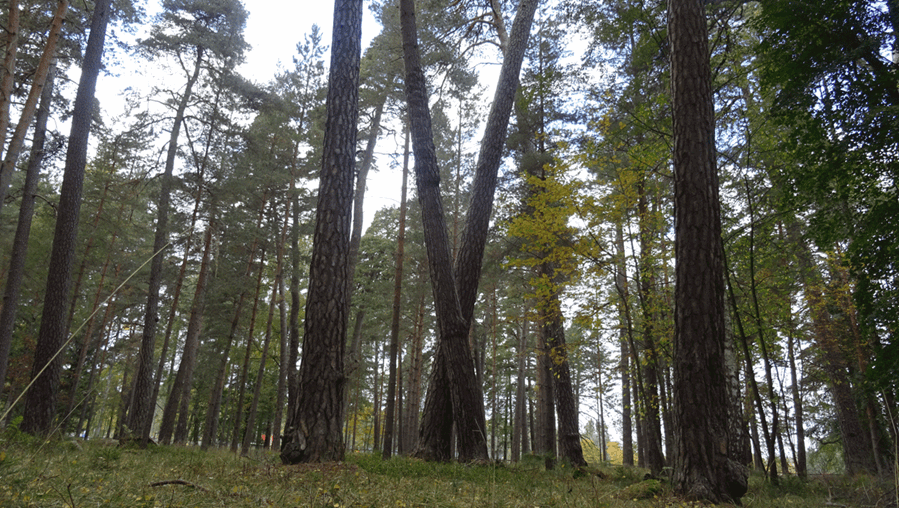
{"points": [[9, 72], [564, 395], [395, 310], [40, 402], [16, 272], [28, 109], [245, 367], [457, 392], [314, 433], [141, 408], [703, 468]]}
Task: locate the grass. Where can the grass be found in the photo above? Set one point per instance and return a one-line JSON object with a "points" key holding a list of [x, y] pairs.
{"points": [[75, 474]]}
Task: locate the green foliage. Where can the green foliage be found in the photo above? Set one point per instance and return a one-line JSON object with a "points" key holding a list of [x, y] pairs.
{"points": [[829, 69]]}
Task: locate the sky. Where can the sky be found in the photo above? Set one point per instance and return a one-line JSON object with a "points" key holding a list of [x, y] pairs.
{"points": [[273, 30]]}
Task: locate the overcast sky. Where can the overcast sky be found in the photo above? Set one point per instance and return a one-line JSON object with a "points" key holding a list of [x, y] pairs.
{"points": [[275, 27]]}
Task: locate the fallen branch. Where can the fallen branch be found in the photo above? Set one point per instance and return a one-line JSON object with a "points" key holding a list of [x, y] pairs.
{"points": [[179, 482]]}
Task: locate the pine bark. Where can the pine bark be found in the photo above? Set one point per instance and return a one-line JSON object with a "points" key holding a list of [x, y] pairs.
{"points": [[703, 468], [28, 109], [452, 389], [455, 294], [16, 272], [315, 432], [40, 402]]}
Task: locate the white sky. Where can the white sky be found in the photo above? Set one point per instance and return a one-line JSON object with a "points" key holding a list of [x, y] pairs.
{"points": [[273, 30]]}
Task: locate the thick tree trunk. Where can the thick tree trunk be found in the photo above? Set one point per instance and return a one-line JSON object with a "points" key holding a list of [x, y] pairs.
{"points": [[40, 402], [453, 376], [468, 261], [702, 466], [315, 432]]}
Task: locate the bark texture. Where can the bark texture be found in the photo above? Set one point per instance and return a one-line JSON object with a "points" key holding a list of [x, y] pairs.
{"points": [[456, 292], [315, 433], [702, 467], [40, 402], [453, 375]]}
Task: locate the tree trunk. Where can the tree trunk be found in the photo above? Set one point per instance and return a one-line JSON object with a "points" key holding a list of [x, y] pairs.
{"points": [[566, 402], [168, 419], [460, 399], [293, 383], [141, 410], [192, 339], [37, 84], [213, 407], [413, 400], [182, 386], [650, 393], [702, 466], [750, 377], [316, 429], [452, 389], [250, 432], [16, 272], [800, 463], [352, 361], [283, 352], [520, 435], [624, 328], [40, 402], [245, 366], [395, 311], [856, 444], [7, 81], [545, 443]]}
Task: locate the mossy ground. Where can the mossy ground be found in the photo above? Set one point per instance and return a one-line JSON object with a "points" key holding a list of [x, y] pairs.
{"points": [[79, 474]]}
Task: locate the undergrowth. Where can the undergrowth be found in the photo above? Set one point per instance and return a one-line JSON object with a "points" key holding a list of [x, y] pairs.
{"points": [[71, 473]]}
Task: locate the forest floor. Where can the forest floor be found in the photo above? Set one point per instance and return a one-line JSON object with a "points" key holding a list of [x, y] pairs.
{"points": [[74, 474]]}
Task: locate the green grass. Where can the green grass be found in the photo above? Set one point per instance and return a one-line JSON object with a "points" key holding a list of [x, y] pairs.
{"points": [[82, 474]]}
